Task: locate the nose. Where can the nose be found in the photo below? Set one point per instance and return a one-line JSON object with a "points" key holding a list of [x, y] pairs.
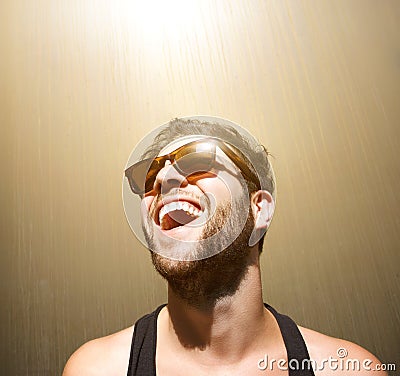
{"points": [[169, 177]]}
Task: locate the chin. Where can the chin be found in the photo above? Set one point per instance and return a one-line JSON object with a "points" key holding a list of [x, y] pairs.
{"points": [[175, 250], [205, 281]]}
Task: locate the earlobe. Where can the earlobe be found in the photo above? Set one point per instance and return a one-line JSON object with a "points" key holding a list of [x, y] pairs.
{"points": [[263, 206]]}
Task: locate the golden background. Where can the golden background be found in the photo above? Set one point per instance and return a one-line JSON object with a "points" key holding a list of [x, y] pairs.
{"points": [[83, 81]]}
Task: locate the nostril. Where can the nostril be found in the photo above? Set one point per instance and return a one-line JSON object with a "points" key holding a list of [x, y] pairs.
{"points": [[167, 184], [174, 182]]}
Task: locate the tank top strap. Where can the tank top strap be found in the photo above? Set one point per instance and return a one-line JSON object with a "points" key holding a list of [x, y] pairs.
{"points": [[297, 353], [142, 360]]}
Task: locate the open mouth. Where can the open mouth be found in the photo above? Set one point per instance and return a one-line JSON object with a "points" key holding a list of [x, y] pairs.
{"points": [[176, 214]]}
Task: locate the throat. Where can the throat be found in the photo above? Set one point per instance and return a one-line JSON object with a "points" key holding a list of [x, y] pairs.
{"points": [[211, 328]]}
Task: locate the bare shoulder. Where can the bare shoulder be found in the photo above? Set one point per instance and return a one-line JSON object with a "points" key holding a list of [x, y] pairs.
{"points": [[335, 356], [102, 356]]}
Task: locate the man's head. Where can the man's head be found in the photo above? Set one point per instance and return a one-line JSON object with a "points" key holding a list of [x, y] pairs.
{"points": [[208, 196]]}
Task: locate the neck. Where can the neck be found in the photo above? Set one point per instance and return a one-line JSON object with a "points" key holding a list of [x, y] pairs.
{"points": [[228, 327]]}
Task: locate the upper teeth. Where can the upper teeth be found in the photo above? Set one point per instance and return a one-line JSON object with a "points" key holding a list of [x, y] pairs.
{"points": [[179, 205]]}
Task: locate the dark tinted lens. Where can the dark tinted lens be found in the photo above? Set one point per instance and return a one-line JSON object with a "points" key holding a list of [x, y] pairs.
{"points": [[141, 175], [152, 172], [194, 163]]}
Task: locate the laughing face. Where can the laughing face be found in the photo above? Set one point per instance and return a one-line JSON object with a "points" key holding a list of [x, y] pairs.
{"points": [[184, 211], [198, 226]]}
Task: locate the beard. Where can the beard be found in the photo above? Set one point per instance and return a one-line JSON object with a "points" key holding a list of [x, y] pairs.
{"points": [[201, 283]]}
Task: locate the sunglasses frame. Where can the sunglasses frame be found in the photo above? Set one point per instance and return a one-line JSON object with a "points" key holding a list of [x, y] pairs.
{"points": [[234, 154]]}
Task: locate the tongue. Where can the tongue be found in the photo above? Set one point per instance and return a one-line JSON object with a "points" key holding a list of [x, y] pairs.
{"points": [[174, 219]]}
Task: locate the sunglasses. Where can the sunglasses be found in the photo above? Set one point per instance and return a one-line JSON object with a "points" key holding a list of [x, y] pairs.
{"points": [[191, 160]]}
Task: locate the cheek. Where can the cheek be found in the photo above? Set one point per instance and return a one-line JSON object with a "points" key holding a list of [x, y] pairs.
{"points": [[222, 187], [146, 204]]}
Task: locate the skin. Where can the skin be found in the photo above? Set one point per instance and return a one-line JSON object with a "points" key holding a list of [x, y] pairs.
{"points": [[227, 337]]}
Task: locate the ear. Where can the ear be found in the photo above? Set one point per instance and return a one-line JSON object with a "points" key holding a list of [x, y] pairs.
{"points": [[262, 205]]}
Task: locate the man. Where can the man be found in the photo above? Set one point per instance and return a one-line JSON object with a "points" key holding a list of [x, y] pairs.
{"points": [[207, 199]]}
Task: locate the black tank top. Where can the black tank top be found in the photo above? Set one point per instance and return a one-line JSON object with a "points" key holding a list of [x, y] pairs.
{"points": [[142, 361]]}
